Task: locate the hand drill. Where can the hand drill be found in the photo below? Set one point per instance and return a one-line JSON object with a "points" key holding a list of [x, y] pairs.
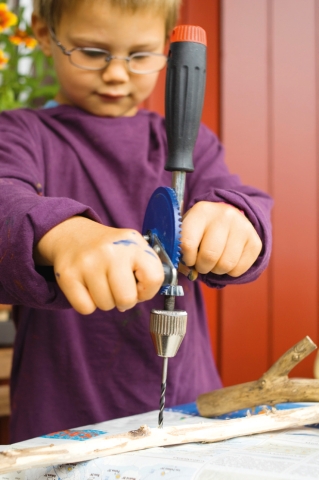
{"points": [[184, 96]]}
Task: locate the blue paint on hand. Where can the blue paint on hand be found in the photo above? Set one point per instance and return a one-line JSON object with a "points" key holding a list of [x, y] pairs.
{"points": [[125, 242], [150, 253]]}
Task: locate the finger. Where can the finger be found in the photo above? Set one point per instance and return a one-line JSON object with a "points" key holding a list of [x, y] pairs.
{"points": [[76, 293], [211, 248], [249, 255], [149, 274], [137, 274], [99, 290], [123, 288], [192, 233], [121, 279], [231, 255]]}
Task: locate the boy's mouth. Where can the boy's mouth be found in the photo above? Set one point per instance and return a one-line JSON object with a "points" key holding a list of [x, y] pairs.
{"points": [[110, 98]]}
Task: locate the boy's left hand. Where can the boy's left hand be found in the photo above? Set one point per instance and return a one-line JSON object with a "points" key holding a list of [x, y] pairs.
{"points": [[218, 238]]}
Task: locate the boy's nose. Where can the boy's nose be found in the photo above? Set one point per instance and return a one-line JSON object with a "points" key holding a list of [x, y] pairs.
{"points": [[116, 70]]}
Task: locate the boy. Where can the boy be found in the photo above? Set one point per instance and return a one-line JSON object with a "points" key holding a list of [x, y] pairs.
{"points": [[75, 181]]}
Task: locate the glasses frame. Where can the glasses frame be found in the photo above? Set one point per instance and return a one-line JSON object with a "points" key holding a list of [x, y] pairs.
{"points": [[108, 57]]}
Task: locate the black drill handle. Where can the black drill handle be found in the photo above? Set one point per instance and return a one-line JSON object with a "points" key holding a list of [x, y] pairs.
{"points": [[184, 96]]}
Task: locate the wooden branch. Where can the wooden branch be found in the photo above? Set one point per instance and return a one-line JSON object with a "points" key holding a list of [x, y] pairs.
{"points": [[69, 452], [273, 387], [4, 400], [316, 366], [290, 359], [6, 355]]}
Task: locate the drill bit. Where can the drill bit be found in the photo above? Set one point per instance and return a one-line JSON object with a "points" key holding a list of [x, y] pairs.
{"points": [[169, 305], [163, 391]]}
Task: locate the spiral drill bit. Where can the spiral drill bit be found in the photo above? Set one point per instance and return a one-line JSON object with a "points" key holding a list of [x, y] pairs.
{"points": [[169, 305], [163, 391]]}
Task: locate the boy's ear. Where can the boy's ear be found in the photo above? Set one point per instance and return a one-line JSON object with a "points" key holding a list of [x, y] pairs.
{"points": [[42, 33]]}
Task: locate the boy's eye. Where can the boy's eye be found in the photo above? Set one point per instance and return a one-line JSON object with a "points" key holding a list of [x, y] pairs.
{"points": [[90, 58], [93, 53], [140, 57]]}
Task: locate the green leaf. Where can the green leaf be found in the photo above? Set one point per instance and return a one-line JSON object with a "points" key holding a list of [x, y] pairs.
{"points": [[7, 99], [29, 90]]}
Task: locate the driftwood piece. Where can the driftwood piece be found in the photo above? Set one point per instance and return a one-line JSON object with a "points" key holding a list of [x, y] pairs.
{"points": [[316, 366], [5, 370], [273, 387], [15, 459], [6, 355], [4, 400]]}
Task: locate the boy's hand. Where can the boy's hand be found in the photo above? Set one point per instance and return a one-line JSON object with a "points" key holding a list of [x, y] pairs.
{"points": [[218, 238], [100, 267]]}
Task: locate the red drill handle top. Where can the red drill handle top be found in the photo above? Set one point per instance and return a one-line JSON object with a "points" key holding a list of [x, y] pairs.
{"points": [[185, 87], [188, 33]]}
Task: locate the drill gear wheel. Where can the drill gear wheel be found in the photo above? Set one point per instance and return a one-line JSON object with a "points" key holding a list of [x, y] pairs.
{"points": [[163, 219]]}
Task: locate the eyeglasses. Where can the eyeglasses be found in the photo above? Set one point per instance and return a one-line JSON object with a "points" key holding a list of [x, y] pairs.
{"points": [[89, 58]]}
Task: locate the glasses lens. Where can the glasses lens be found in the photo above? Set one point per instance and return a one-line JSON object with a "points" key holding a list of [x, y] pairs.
{"points": [[147, 62], [90, 58]]}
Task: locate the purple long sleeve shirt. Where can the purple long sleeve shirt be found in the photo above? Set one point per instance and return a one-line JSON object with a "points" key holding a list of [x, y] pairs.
{"points": [[68, 369]]}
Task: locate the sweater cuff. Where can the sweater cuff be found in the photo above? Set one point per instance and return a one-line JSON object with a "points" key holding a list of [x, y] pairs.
{"points": [[20, 282]]}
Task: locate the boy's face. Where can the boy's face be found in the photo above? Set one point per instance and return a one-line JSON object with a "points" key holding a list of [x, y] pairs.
{"points": [[113, 91]]}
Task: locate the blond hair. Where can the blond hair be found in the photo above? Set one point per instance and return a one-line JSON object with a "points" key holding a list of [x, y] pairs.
{"points": [[52, 10]]}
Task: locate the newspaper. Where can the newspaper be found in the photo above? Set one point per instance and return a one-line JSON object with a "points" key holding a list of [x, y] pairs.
{"points": [[289, 455]]}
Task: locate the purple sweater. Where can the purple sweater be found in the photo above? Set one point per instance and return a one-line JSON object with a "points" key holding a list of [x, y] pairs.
{"points": [[68, 369]]}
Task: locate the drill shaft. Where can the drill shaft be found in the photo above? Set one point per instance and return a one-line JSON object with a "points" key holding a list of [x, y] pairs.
{"points": [[169, 305], [163, 391]]}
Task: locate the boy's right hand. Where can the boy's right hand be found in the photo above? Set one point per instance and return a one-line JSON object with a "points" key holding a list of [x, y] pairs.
{"points": [[100, 267]]}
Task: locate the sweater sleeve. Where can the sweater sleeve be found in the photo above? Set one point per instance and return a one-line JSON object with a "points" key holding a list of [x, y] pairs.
{"points": [[211, 181], [26, 215]]}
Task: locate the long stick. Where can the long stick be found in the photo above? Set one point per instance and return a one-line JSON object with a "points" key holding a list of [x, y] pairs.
{"points": [[69, 452]]}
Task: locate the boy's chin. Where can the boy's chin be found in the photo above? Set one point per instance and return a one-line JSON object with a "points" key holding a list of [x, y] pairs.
{"points": [[102, 109], [111, 110]]}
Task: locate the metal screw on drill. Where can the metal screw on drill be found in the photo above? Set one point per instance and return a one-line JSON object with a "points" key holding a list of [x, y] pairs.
{"points": [[168, 329]]}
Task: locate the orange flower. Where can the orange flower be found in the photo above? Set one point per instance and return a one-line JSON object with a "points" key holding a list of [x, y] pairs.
{"points": [[21, 37], [3, 60], [7, 18]]}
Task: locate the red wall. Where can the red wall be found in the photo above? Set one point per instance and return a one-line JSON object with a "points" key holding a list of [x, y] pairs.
{"points": [[269, 126]]}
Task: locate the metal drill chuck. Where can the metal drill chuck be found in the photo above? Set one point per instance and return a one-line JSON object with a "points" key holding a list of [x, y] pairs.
{"points": [[168, 330]]}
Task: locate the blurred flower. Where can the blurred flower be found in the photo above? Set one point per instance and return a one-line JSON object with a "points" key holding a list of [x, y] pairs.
{"points": [[3, 60], [7, 18], [27, 77], [21, 37]]}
